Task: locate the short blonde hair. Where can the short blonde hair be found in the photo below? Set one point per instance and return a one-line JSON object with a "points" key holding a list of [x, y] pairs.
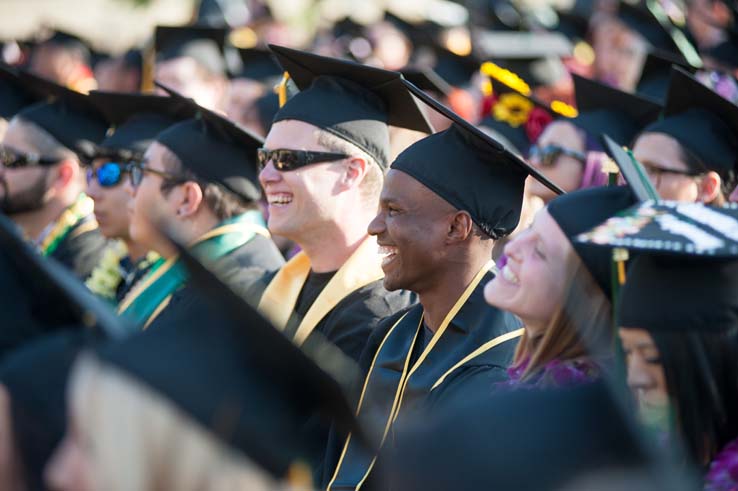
{"points": [[143, 442]]}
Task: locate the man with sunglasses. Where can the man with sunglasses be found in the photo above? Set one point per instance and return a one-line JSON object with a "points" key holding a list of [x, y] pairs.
{"points": [[322, 169], [197, 182], [691, 153], [136, 120], [42, 183]]}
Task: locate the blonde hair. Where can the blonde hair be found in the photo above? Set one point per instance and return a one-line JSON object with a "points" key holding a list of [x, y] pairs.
{"points": [[582, 327], [143, 442]]}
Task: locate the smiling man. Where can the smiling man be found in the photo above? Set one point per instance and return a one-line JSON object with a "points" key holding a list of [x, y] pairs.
{"points": [[42, 183], [323, 162], [198, 178], [437, 224]]}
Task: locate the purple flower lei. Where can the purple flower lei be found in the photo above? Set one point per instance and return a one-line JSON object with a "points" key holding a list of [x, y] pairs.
{"points": [[723, 473], [556, 373]]}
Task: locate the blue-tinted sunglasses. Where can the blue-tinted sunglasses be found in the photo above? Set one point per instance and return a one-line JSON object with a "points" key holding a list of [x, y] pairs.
{"points": [[108, 175]]}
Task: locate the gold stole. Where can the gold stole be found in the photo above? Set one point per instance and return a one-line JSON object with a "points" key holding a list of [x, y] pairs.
{"points": [[280, 297]]}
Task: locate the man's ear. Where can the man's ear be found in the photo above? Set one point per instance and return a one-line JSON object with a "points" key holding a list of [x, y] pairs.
{"points": [[191, 198], [709, 187], [354, 172], [67, 171], [459, 227]]}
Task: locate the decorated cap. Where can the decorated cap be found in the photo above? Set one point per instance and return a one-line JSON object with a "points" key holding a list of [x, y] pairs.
{"points": [[204, 44], [701, 120], [196, 140], [354, 102], [136, 120], [240, 378], [486, 179], [604, 109], [72, 118]]}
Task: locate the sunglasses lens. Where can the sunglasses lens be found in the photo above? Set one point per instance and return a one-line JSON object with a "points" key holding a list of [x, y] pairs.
{"points": [[288, 160], [109, 174]]}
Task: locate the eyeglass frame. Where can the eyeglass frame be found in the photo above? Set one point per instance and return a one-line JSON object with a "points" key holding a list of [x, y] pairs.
{"points": [[580, 157], [142, 166], [309, 157], [660, 171], [29, 159]]}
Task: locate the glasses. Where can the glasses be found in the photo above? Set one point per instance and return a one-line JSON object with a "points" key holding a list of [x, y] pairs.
{"points": [[14, 160], [286, 160], [108, 174], [137, 170], [549, 155], [656, 173]]}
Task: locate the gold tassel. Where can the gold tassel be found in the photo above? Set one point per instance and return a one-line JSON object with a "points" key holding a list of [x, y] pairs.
{"points": [[282, 89]]}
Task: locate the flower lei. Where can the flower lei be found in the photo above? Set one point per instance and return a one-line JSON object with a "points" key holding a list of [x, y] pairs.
{"points": [[556, 373], [58, 230], [107, 275], [723, 473]]}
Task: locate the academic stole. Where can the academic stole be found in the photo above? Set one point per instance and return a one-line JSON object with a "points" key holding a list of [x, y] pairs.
{"points": [[153, 293], [70, 218], [390, 373], [280, 297]]}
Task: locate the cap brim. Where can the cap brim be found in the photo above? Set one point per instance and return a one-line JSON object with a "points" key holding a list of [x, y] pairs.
{"points": [[470, 128]]}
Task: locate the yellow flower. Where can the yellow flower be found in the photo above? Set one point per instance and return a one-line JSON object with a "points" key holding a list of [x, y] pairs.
{"points": [[513, 109]]}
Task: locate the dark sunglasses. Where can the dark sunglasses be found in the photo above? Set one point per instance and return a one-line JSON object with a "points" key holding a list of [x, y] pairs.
{"points": [[14, 160], [549, 154], [137, 170], [286, 160], [107, 175]]}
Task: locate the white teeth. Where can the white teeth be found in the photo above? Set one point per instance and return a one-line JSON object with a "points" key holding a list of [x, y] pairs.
{"points": [[279, 199], [509, 276], [387, 250]]}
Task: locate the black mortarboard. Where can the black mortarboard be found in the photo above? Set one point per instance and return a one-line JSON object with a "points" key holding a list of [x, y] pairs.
{"points": [[640, 19], [136, 119], [701, 120], [40, 296], [241, 378], [258, 64], [604, 109], [455, 69], [13, 95], [36, 376], [427, 79], [133, 59], [578, 212], [656, 73], [574, 24], [195, 141], [69, 116], [268, 106], [204, 44], [486, 179], [354, 102], [686, 272], [505, 441]]}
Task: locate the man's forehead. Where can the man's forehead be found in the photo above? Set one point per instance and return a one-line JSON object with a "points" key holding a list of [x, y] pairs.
{"points": [[19, 136], [294, 135]]}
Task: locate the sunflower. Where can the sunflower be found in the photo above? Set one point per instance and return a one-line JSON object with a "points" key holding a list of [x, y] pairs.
{"points": [[513, 109]]}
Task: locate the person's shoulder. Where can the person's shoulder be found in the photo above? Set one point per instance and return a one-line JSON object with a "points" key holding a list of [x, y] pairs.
{"points": [[82, 249], [375, 300]]}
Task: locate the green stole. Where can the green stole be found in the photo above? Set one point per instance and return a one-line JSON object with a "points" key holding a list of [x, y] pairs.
{"points": [[68, 223], [392, 380], [152, 294]]}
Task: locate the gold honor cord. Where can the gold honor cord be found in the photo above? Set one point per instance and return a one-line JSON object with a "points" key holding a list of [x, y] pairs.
{"points": [[280, 297], [399, 395]]}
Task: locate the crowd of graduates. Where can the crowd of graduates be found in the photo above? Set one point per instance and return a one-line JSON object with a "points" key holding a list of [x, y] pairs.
{"points": [[474, 245]]}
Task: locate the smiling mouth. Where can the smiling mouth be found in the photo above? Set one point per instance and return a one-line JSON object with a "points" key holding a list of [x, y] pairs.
{"points": [[509, 276], [388, 253], [279, 199]]}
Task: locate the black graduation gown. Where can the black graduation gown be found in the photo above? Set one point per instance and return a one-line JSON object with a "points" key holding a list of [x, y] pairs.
{"points": [[82, 248], [455, 366], [239, 269]]}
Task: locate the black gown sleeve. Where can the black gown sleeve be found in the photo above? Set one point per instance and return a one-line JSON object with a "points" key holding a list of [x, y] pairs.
{"points": [[82, 252]]}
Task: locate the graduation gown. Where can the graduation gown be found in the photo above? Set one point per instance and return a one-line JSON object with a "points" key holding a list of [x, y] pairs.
{"points": [[238, 250], [407, 373]]}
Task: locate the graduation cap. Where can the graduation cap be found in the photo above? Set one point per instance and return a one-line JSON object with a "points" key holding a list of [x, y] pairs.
{"points": [[137, 119], [656, 74], [72, 118], [685, 274], [425, 78], [701, 120], [503, 441], [258, 64], [267, 106], [726, 52], [35, 377], [354, 102], [604, 109], [195, 141], [13, 95], [632, 170], [204, 44], [40, 296], [640, 19], [241, 378], [574, 23], [486, 179]]}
